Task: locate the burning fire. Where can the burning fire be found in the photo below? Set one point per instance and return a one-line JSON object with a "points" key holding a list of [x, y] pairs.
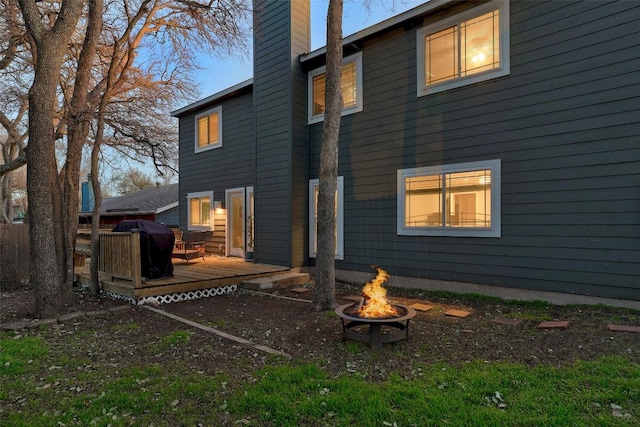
{"points": [[375, 301]]}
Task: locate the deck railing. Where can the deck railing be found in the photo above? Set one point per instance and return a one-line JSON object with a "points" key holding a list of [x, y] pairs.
{"points": [[120, 256]]}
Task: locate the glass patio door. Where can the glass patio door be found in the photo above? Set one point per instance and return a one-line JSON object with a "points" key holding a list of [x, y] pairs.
{"points": [[235, 200], [250, 221]]}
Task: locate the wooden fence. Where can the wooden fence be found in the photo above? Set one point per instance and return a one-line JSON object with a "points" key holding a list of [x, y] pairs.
{"points": [[120, 256], [14, 255]]}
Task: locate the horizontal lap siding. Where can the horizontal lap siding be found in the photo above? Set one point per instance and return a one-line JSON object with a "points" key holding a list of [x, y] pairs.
{"points": [[566, 127], [282, 162], [301, 31], [230, 166], [271, 81]]}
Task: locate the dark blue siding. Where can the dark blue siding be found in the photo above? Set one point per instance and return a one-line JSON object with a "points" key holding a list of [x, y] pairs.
{"points": [[566, 126], [281, 34], [229, 166]]}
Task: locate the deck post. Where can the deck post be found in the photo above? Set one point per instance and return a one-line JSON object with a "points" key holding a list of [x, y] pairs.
{"points": [[136, 259]]}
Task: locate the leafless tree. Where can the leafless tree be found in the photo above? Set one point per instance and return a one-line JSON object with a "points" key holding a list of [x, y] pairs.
{"points": [[324, 290], [50, 28], [87, 71], [131, 181], [13, 104]]}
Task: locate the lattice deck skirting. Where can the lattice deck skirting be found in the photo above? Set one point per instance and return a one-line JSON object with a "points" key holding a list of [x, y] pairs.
{"points": [[180, 296], [124, 298]]}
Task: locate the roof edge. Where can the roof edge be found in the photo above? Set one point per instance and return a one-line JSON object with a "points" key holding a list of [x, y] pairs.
{"points": [[167, 207], [381, 26], [212, 98]]}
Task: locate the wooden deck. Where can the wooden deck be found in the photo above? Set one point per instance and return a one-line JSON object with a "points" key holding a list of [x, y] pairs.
{"points": [[214, 271]]}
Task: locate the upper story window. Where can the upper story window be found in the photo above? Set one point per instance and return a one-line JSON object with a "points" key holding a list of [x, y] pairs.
{"points": [[467, 48], [450, 200], [351, 88], [199, 210], [209, 129]]}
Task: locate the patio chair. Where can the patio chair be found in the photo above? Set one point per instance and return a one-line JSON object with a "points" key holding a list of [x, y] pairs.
{"points": [[177, 233], [191, 247]]}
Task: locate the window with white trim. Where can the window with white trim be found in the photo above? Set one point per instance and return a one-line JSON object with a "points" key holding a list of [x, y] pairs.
{"points": [[209, 129], [460, 200], [313, 217], [351, 88], [200, 211], [467, 48]]}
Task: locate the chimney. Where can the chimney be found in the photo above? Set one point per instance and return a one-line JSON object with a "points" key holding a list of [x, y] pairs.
{"points": [[281, 34]]}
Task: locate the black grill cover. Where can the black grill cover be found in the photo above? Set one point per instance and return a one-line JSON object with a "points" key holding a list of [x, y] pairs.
{"points": [[156, 245]]}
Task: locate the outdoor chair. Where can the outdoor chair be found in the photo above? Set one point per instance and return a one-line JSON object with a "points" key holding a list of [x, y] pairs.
{"points": [[191, 247], [177, 233]]}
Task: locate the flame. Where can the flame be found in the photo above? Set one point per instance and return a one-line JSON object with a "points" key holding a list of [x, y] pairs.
{"points": [[375, 301]]}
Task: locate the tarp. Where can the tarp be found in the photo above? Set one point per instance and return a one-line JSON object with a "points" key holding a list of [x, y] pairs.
{"points": [[156, 245]]}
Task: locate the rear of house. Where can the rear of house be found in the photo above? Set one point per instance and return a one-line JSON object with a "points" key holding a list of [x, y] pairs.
{"points": [[217, 159], [492, 142]]}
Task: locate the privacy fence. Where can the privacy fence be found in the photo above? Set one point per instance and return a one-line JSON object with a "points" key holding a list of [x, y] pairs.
{"points": [[14, 255]]}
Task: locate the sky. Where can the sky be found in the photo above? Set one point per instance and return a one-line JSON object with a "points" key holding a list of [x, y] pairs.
{"points": [[217, 75], [355, 18]]}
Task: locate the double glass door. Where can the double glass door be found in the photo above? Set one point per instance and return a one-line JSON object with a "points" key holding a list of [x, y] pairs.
{"points": [[240, 221]]}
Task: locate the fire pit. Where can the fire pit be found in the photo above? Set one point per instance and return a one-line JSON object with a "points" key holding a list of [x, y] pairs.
{"points": [[375, 311], [398, 325]]}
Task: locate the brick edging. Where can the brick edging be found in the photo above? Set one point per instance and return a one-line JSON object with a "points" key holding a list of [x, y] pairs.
{"points": [[22, 324]]}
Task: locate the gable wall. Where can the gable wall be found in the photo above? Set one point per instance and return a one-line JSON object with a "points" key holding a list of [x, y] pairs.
{"points": [[565, 125], [230, 166], [168, 217]]}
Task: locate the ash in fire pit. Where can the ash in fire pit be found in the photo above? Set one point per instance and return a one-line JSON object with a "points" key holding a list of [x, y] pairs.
{"points": [[374, 312]]}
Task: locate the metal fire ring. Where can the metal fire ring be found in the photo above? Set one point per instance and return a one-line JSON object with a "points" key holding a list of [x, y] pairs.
{"points": [[374, 336]]}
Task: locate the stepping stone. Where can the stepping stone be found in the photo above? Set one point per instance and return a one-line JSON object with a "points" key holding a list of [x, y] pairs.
{"points": [[624, 328], [421, 307], [457, 313], [505, 321], [300, 290], [564, 324]]}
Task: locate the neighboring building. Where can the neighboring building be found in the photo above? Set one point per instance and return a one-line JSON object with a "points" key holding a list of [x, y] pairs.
{"points": [[491, 142], [158, 204]]}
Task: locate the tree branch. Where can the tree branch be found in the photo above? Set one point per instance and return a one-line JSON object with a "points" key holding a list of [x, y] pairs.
{"points": [[14, 164]]}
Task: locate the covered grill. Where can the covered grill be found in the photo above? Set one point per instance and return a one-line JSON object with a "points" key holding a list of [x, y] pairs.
{"points": [[156, 244]]}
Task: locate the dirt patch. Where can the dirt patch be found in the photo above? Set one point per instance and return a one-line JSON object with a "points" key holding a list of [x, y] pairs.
{"points": [[289, 325], [18, 305]]}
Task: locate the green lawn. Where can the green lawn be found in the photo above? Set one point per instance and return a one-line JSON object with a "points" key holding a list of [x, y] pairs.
{"points": [[41, 386]]}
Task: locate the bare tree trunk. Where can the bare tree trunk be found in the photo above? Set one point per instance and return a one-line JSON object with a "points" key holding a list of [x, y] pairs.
{"points": [[13, 157], [51, 44], [79, 119], [41, 176], [95, 220], [324, 291], [6, 199]]}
